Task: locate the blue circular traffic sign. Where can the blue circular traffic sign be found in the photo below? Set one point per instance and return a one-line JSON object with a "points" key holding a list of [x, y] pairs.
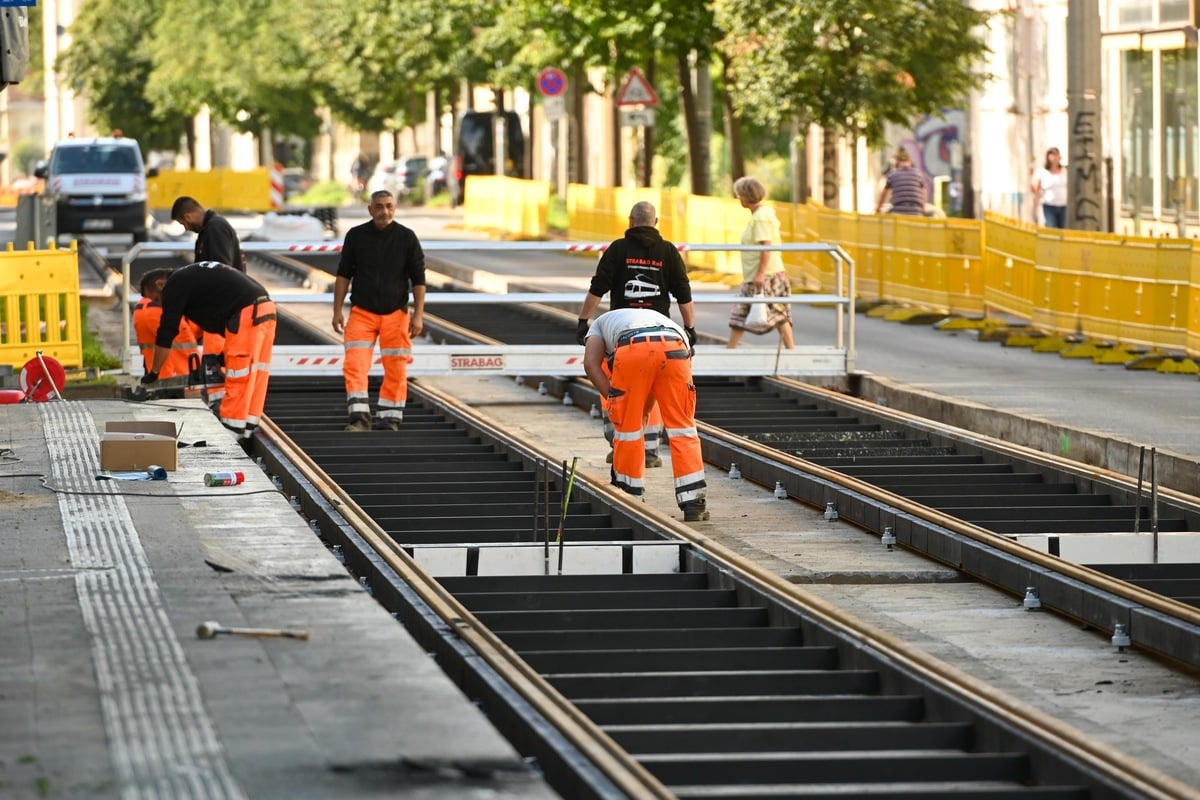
{"points": [[552, 81]]}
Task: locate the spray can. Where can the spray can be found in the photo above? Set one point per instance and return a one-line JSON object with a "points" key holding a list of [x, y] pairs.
{"points": [[223, 478]]}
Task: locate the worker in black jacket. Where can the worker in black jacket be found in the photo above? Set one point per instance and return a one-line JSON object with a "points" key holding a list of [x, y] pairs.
{"points": [[640, 270], [216, 240], [220, 299]]}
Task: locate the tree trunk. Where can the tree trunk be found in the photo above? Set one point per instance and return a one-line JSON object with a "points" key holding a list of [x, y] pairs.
{"points": [[697, 162], [576, 138], [618, 165], [829, 168], [733, 127], [647, 154]]}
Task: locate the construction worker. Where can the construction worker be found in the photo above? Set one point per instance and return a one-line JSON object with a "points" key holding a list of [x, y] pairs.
{"points": [[649, 361], [640, 270], [225, 301], [216, 240], [146, 318], [381, 258]]}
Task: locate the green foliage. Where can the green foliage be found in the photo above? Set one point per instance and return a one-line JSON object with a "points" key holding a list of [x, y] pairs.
{"points": [[326, 193], [108, 63], [26, 155], [850, 65], [557, 218], [93, 350]]}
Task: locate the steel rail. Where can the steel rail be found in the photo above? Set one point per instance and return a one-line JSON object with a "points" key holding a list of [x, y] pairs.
{"points": [[1119, 588], [623, 771], [1000, 446], [1101, 759]]}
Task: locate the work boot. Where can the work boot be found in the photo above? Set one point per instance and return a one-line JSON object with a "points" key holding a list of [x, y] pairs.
{"points": [[653, 459], [391, 424], [695, 510], [359, 423]]}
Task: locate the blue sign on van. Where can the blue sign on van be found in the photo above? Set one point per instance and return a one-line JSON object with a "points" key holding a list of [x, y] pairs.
{"points": [[18, 3]]}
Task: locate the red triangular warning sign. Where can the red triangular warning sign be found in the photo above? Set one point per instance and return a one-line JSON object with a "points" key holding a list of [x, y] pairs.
{"points": [[636, 90]]}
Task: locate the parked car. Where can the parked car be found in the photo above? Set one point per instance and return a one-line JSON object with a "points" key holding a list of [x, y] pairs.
{"points": [[475, 151], [98, 186], [409, 171], [437, 179], [400, 177]]}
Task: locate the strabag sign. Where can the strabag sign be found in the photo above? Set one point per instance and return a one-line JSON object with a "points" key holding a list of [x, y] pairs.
{"points": [[476, 362]]}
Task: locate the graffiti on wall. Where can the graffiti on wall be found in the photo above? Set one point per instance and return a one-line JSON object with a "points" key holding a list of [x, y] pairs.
{"points": [[1085, 190]]}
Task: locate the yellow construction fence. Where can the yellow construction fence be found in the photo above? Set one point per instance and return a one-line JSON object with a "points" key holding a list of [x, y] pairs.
{"points": [[1136, 291], [219, 188], [39, 306]]}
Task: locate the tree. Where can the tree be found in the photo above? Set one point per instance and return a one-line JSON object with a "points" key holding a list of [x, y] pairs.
{"points": [[107, 62], [850, 66]]}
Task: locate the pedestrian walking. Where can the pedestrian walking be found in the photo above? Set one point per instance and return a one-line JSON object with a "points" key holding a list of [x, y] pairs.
{"points": [[763, 272], [225, 301], [649, 362], [640, 270], [381, 260], [216, 240], [1050, 188]]}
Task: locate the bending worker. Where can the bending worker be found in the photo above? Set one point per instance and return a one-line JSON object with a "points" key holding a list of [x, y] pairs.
{"points": [[146, 318], [640, 270], [649, 361], [381, 258], [221, 300]]}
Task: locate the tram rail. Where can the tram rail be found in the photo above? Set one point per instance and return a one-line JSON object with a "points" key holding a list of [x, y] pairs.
{"points": [[714, 677]]}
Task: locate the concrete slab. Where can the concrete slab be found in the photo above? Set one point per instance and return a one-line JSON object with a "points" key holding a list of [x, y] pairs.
{"points": [[105, 688]]}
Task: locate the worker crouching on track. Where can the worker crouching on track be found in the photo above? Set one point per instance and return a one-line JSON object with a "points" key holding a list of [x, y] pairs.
{"points": [[224, 301], [381, 259], [649, 360]]}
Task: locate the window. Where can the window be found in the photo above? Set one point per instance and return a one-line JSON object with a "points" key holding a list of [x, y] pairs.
{"points": [[1137, 131], [1179, 115], [1149, 14]]}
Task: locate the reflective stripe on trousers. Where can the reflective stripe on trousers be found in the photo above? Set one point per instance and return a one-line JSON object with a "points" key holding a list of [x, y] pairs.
{"points": [[247, 367], [363, 328], [642, 372]]}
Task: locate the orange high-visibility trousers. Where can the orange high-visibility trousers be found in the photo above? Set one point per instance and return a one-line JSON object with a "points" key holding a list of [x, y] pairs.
{"points": [[145, 324], [652, 428], [660, 372], [395, 350], [248, 367], [212, 345]]}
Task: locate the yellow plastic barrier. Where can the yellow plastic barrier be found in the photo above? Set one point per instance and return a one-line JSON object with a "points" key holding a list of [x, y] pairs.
{"points": [[1140, 292], [219, 188], [39, 306], [507, 204]]}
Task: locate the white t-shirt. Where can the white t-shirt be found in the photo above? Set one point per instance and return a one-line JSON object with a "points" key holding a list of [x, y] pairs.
{"points": [[1054, 186], [612, 324]]}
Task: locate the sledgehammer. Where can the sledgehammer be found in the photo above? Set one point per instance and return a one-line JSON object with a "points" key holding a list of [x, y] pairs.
{"points": [[211, 629]]}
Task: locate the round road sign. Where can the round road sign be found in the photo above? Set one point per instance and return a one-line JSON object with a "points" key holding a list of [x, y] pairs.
{"points": [[552, 81]]}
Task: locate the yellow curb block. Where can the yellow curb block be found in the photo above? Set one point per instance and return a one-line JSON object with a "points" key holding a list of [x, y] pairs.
{"points": [[1178, 365], [1050, 344]]}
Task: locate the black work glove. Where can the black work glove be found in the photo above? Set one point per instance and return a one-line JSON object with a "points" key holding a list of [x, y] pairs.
{"points": [[149, 377], [581, 330], [691, 334]]}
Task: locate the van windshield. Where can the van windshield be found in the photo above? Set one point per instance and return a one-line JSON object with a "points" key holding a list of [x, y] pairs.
{"points": [[95, 158]]}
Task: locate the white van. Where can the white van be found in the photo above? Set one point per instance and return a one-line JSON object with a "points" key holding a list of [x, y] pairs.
{"points": [[99, 186]]}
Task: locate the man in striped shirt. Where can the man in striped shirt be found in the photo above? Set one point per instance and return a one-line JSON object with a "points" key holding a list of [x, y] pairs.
{"points": [[905, 188]]}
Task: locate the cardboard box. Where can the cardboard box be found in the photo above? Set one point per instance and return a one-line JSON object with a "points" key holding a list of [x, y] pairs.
{"points": [[130, 446]]}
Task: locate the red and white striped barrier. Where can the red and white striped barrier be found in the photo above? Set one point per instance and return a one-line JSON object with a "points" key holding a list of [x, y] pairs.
{"points": [[277, 199]]}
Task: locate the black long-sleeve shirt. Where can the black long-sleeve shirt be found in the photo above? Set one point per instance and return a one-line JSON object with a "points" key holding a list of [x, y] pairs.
{"points": [[207, 293], [380, 265], [640, 270], [218, 241]]}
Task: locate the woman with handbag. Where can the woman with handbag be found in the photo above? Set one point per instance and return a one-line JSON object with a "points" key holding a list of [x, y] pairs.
{"points": [[763, 272]]}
